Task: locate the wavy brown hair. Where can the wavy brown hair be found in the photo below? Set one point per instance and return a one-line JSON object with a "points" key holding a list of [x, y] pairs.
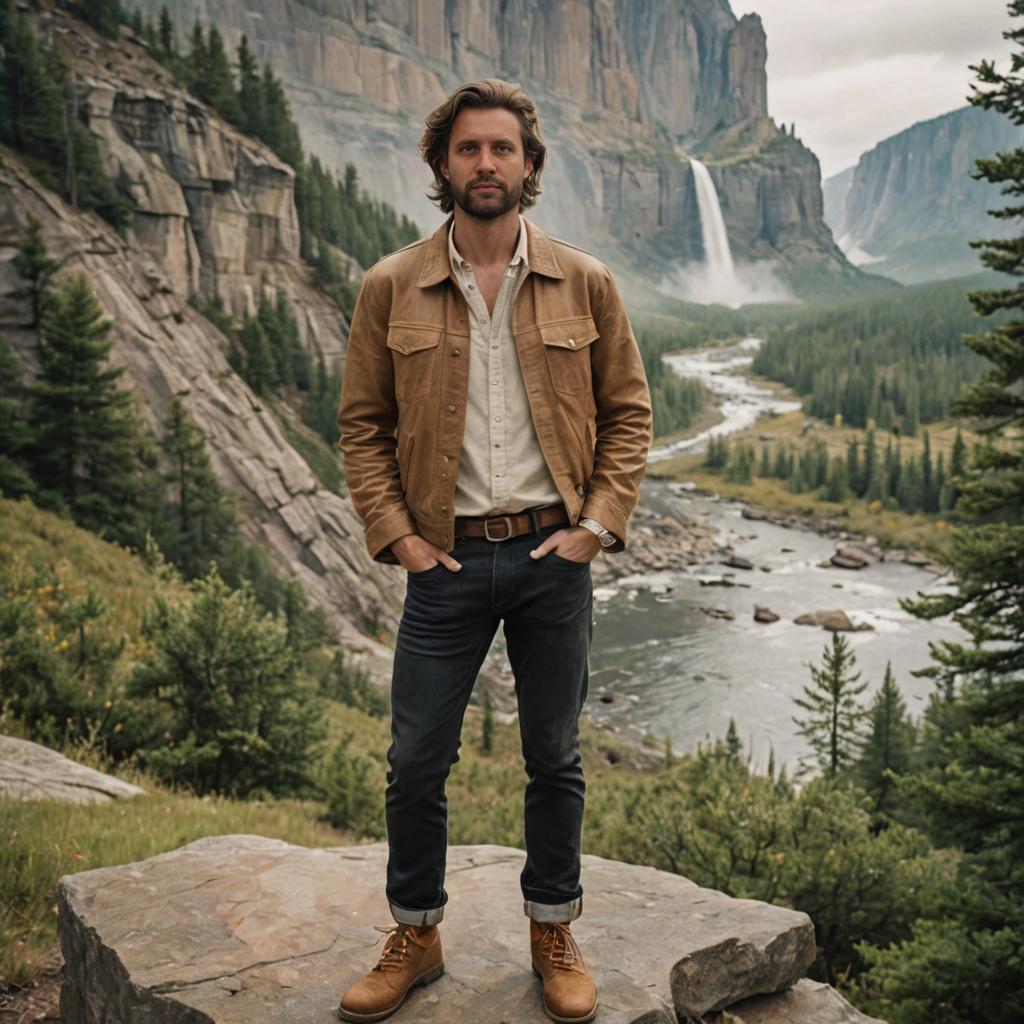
{"points": [[487, 93]]}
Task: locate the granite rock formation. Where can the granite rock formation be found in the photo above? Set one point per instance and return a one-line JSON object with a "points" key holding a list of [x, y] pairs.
{"points": [[30, 771], [627, 92], [247, 929], [911, 205]]}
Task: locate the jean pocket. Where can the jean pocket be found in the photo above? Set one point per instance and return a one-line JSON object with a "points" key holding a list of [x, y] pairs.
{"points": [[420, 573], [562, 560]]}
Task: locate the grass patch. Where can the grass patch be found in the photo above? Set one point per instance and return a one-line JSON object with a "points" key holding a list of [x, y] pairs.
{"points": [[44, 840]]}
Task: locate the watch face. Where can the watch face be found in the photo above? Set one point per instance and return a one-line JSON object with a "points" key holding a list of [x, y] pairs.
{"points": [[607, 539]]}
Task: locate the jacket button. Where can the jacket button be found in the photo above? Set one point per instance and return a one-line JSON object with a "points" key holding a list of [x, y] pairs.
{"points": [[579, 489], [456, 352], [444, 508], [451, 408], [444, 476], [572, 342]]}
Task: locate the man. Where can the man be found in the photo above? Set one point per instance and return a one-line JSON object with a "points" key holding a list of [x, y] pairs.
{"points": [[495, 421]]}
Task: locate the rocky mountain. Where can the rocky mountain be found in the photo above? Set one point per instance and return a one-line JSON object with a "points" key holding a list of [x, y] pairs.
{"points": [[627, 91], [910, 206], [214, 215]]}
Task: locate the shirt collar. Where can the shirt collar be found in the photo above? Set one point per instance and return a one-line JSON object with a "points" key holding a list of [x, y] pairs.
{"points": [[520, 255]]}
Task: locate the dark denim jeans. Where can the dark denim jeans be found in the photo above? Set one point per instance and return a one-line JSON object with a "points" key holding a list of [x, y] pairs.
{"points": [[447, 626]]}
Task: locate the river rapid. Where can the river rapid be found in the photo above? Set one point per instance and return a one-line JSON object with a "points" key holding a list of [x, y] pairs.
{"points": [[662, 665]]}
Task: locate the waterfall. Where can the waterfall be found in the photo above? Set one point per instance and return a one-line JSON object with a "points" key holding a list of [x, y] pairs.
{"points": [[716, 278], [717, 254]]}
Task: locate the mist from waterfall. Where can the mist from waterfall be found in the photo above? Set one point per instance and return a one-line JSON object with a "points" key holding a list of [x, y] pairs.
{"points": [[717, 278]]}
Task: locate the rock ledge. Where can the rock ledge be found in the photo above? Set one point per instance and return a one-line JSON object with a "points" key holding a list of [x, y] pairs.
{"points": [[234, 929]]}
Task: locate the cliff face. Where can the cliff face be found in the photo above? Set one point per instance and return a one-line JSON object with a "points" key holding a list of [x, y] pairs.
{"points": [[626, 90], [215, 217], [912, 206]]}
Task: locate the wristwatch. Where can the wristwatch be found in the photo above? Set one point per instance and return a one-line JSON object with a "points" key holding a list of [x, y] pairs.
{"points": [[606, 537]]}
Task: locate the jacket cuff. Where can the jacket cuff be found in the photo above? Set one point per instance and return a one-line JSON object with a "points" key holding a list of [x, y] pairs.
{"points": [[610, 516], [386, 529]]}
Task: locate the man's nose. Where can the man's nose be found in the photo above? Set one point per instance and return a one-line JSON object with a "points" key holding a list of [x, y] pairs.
{"points": [[486, 161]]}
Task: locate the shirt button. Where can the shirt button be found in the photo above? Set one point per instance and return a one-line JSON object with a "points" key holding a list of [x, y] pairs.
{"points": [[494, 382], [483, 319], [497, 419], [451, 408], [469, 286], [497, 444]]}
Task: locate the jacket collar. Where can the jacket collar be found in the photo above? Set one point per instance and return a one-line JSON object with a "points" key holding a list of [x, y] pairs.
{"points": [[437, 266]]}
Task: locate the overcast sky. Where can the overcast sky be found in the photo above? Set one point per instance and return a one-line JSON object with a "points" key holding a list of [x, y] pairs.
{"points": [[852, 72]]}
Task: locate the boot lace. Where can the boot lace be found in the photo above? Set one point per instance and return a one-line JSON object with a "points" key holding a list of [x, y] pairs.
{"points": [[559, 947], [396, 947]]}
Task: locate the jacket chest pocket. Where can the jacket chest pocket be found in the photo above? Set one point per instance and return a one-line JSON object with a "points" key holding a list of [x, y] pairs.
{"points": [[566, 347], [415, 355]]}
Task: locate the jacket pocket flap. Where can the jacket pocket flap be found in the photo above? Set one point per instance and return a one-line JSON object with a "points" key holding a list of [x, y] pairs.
{"points": [[412, 339], [572, 334]]}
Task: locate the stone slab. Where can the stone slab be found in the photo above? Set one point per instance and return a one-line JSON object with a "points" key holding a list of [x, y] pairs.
{"points": [[30, 771], [247, 930], [807, 1002]]}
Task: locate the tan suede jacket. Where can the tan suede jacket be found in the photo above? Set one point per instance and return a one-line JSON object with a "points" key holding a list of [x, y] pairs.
{"points": [[404, 390]]}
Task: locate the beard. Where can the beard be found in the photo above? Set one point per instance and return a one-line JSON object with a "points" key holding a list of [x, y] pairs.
{"points": [[487, 207]]}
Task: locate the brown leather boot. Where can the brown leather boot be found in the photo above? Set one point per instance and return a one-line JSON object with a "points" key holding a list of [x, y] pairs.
{"points": [[570, 995], [411, 956]]}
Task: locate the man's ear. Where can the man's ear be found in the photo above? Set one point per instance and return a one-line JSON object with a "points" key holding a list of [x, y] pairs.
{"points": [[528, 167], [443, 167]]}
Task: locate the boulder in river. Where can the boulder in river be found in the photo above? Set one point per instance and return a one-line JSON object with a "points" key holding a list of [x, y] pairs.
{"points": [[763, 614], [248, 930], [718, 613], [834, 619], [738, 562]]}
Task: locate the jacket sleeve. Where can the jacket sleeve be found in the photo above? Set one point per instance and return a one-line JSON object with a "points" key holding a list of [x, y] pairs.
{"points": [[367, 421], [624, 419]]}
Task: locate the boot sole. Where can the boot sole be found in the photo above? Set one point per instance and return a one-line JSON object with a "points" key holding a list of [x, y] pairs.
{"points": [[432, 974], [565, 1020]]}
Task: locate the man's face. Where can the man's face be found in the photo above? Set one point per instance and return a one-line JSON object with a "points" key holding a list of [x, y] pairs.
{"points": [[486, 163]]}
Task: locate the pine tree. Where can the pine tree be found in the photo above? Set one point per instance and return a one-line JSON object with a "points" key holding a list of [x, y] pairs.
{"points": [[167, 37], [103, 15], [889, 748], [219, 82], [834, 724], [15, 480], [930, 497], [976, 792], [84, 431], [250, 90], [202, 523], [36, 268]]}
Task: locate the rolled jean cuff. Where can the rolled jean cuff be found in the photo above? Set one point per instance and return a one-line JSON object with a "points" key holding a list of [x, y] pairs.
{"points": [[545, 913], [419, 917]]}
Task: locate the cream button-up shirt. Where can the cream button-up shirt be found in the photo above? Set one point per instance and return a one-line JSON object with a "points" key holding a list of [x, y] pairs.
{"points": [[501, 466]]}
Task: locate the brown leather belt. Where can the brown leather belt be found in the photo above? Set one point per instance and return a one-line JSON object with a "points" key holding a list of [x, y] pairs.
{"points": [[514, 525]]}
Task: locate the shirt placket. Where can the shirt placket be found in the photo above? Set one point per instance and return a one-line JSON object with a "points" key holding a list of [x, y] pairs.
{"points": [[491, 330]]}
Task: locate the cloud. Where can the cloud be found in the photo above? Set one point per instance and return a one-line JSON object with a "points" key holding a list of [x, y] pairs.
{"points": [[850, 74]]}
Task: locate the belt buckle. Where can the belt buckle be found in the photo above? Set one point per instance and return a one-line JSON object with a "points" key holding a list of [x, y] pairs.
{"points": [[507, 520]]}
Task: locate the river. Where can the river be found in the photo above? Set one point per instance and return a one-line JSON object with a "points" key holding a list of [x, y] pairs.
{"points": [[661, 665]]}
